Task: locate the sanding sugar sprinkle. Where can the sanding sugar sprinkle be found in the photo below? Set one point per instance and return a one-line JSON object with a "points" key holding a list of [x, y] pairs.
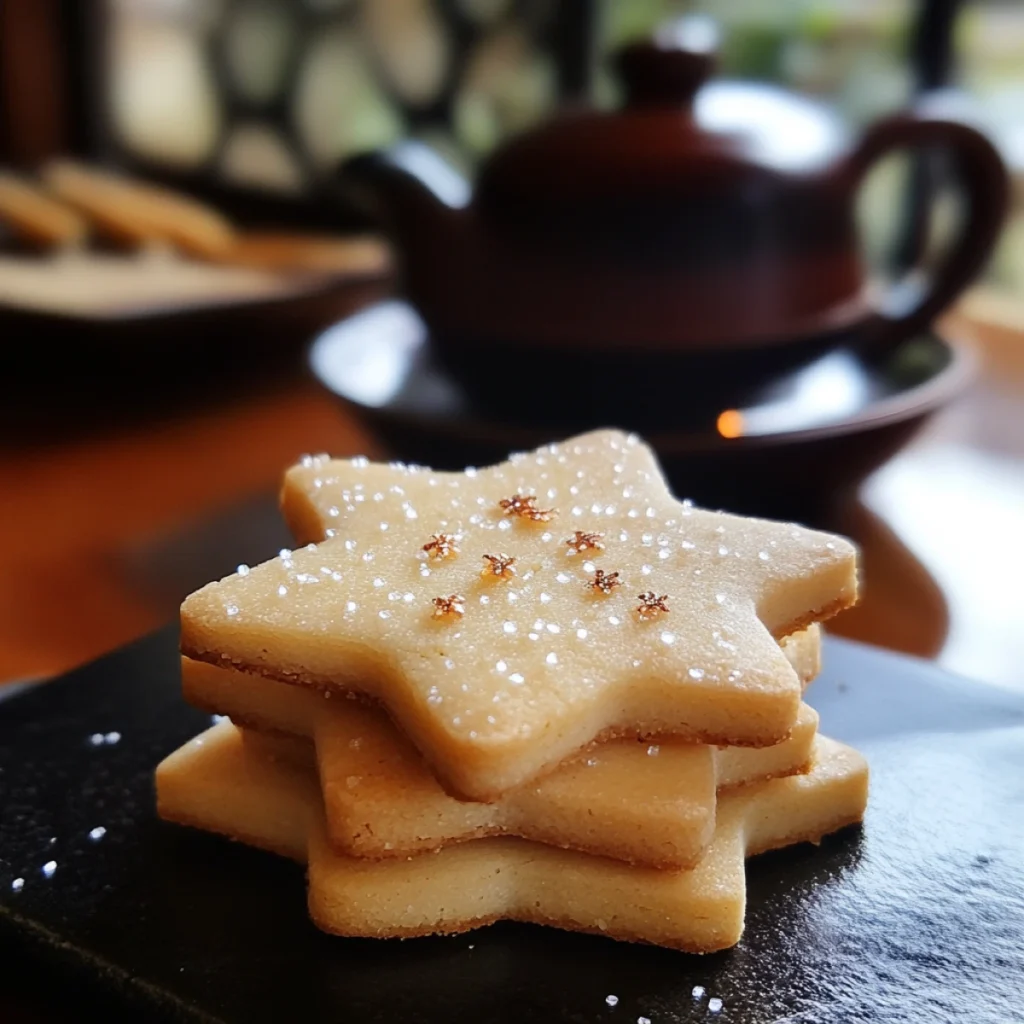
{"points": [[611, 1000], [698, 992], [714, 1005], [643, 1020], [99, 739]]}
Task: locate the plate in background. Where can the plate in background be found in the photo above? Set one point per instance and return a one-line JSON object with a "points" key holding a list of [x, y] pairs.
{"points": [[63, 370]]}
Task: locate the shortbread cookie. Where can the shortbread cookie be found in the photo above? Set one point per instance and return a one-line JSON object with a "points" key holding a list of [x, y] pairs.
{"points": [[271, 706], [216, 785], [135, 214], [642, 803], [280, 746], [507, 617], [648, 803], [36, 218]]}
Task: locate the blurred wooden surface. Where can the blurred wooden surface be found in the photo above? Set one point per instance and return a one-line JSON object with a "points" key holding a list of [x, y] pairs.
{"points": [[940, 526], [70, 512]]}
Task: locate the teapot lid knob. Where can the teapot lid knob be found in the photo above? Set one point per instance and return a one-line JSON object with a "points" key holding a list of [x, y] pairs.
{"points": [[672, 65]]}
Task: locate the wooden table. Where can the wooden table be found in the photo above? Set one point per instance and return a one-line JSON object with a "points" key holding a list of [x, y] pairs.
{"points": [[98, 532]]}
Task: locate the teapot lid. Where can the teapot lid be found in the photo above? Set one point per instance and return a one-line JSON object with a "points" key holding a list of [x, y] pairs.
{"points": [[677, 135]]}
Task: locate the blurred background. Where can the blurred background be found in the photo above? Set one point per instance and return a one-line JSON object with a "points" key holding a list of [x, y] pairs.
{"points": [[193, 293]]}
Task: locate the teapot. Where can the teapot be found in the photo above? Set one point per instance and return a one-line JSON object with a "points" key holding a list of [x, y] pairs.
{"points": [[700, 218]]}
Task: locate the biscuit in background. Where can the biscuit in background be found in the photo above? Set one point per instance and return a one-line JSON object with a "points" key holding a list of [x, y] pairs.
{"points": [[136, 215], [37, 219]]}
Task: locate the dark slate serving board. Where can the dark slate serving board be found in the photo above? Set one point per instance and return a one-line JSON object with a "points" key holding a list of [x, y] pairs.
{"points": [[917, 917]]}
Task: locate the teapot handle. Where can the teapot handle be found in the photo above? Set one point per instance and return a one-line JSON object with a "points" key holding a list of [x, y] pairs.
{"points": [[911, 304]]}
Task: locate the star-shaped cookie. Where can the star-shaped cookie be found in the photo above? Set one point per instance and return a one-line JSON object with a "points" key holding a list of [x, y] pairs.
{"points": [[215, 784], [647, 803], [496, 678]]}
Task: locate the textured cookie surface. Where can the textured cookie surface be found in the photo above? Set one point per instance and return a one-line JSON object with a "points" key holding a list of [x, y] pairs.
{"points": [[483, 609], [650, 803], [216, 784]]}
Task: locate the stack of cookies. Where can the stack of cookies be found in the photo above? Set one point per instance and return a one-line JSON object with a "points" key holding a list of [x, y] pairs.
{"points": [[576, 701]]}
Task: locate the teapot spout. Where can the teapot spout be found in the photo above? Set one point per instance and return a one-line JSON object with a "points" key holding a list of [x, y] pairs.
{"points": [[408, 188]]}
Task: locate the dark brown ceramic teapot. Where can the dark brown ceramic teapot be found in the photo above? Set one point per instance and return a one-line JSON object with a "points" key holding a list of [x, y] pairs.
{"points": [[697, 218]]}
